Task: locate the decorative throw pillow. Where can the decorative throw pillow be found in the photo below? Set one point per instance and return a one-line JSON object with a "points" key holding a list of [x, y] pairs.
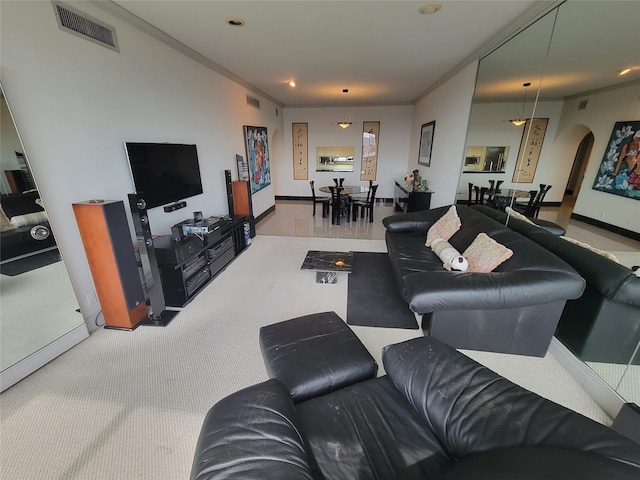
{"points": [[608, 255], [445, 227], [512, 213], [5, 223], [451, 258], [485, 254], [29, 219]]}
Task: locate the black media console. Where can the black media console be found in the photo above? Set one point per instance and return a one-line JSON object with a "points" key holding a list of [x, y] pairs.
{"points": [[187, 266]]}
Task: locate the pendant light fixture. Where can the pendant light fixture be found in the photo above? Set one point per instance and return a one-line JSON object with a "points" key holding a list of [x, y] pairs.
{"points": [[522, 120], [346, 122]]}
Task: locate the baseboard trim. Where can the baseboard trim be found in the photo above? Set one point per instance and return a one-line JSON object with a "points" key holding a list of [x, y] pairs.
{"points": [[272, 208], [607, 226], [601, 392], [13, 374]]}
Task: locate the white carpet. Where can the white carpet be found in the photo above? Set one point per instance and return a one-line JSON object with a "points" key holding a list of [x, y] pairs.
{"points": [[124, 405]]}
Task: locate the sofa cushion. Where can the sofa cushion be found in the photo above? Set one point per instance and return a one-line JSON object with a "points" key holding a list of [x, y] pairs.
{"points": [[534, 463], [445, 227], [367, 431], [485, 254]]}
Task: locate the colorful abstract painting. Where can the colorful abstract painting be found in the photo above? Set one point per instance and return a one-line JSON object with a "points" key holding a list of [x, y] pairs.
{"points": [[619, 171], [257, 146]]}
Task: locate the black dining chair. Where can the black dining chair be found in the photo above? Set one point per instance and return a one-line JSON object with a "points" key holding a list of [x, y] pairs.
{"points": [[366, 204], [363, 195], [526, 209], [471, 190], [322, 200], [340, 205]]}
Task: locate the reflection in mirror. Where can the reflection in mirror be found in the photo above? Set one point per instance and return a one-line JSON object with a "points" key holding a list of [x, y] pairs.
{"points": [[335, 159], [573, 67], [38, 302], [485, 159]]}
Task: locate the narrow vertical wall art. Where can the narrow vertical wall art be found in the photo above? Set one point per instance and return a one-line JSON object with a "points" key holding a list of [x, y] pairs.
{"points": [[299, 132], [370, 144], [530, 148]]}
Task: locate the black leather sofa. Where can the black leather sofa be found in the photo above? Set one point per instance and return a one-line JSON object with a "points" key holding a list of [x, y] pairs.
{"points": [[603, 324], [436, 415], [23, 240], [513, 309]]}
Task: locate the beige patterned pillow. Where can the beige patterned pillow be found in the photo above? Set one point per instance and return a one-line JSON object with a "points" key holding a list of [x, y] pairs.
{"points": [[512, 213], [445, 227], [5, 224], [608, 255], [485, 254]]}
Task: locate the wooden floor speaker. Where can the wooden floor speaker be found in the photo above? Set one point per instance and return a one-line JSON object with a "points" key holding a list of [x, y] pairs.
{"points": [[108, 244]]}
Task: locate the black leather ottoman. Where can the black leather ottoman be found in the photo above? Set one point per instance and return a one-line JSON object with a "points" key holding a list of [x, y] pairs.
{"points": [[314, 355]]}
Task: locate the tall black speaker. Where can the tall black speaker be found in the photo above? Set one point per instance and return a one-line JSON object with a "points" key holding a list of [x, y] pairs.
{"points": [[227, 180], [159, 316]]}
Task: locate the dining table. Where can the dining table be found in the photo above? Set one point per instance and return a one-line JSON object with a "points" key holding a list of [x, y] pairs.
{"points": [[346, 189]]}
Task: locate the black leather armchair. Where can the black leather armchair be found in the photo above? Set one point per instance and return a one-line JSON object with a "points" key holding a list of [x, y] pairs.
{"points": [[436, 415]]}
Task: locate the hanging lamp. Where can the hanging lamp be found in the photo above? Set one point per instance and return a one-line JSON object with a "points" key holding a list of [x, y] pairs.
{"points": [[522, 120], [346, 122]]}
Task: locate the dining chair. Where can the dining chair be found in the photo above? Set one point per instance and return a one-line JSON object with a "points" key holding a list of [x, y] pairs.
{"points": [[498, 183], [340, 205], [526, 209], [364, 195], [365, 204], [540, 198], [474, 194], [322, 200]]}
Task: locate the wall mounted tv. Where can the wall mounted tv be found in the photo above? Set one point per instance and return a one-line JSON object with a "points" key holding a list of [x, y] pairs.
{"points": [[164, 172]]}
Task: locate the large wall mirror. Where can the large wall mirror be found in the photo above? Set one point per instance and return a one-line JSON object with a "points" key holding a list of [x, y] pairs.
{"points": [[575, 49], [335, 159], [39, 315]]}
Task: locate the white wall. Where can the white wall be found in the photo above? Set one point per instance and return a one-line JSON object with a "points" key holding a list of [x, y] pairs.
{"points": [[487, 128], [602, 112], [395, 134], [76, 103], [449, 105]]}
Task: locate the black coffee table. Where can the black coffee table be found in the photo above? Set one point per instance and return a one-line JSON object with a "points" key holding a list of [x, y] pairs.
{"points": [[327, 264]]}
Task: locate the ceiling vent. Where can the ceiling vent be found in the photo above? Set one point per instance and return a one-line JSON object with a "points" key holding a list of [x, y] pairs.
{"points": [[254, 102], [582, 105], [84, 26]]}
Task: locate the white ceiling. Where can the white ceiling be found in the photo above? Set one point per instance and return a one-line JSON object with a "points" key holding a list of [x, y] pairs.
{"points": [[384, 52]]}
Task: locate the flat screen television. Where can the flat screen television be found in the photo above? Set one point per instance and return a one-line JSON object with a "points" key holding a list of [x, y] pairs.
{"points": [[164, 172]]}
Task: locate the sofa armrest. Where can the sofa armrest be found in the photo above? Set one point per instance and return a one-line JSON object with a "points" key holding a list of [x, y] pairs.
{"points": [[427, 292], [414, 221], [251, 434], [473, 409]]}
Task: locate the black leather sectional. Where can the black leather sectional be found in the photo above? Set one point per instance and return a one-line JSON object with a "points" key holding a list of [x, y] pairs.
{"points": [[436, 415], [513, 309], [602, 324]]}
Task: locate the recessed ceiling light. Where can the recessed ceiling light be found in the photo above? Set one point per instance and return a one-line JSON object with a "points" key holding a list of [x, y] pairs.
{"points": [[292, 83], [235, 22], [429, 8]]}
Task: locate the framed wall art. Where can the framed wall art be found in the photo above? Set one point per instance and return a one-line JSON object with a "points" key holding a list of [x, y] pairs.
{"points": [[619, 171], [256, 142], [426, 143], [370, 142], [530, 148], [299, 134]]}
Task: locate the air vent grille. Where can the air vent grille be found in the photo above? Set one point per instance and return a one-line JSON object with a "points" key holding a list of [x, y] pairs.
{"points": [[582, 105], [84, 26], [254, 102]]}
